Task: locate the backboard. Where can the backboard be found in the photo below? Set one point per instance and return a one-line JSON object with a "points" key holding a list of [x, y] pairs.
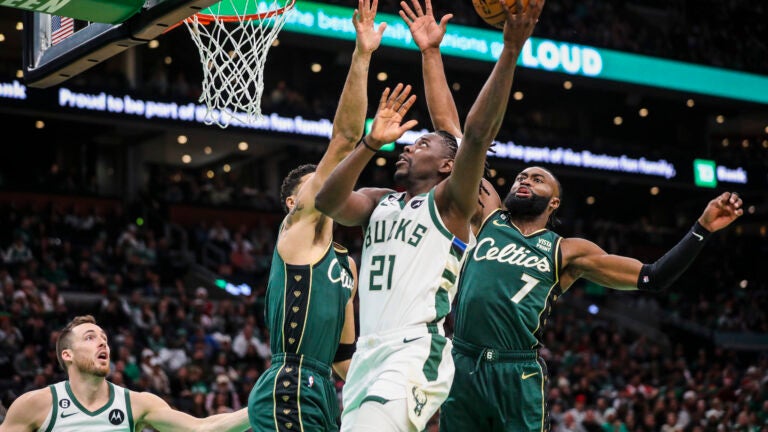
{"points": [[58, 47]]}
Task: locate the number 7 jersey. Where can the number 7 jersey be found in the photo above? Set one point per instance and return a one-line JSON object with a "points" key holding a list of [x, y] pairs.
{"points": [[409, 266], [507, 286]]}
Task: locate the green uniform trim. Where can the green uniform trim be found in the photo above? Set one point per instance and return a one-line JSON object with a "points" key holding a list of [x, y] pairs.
{"points": [[83, 409], [433, 214], [442, 305], [373, 398], [55, 412], [128, 408], [435, 357]]}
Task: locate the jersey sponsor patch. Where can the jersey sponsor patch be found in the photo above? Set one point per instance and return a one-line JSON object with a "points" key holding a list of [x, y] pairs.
{"points": [[116, 416], [544, 245], [416, 203]]}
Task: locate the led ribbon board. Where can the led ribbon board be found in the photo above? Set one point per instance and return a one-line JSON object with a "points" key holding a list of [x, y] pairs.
{"points": [[485, 45], [128, 106]]}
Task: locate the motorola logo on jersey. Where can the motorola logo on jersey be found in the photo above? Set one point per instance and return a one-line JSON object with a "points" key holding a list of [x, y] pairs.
{"points": [[116, 416], [65, 403], [416, 203]]}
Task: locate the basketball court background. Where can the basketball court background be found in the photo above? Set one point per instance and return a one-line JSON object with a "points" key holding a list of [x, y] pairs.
{"points": [[115, 154]]}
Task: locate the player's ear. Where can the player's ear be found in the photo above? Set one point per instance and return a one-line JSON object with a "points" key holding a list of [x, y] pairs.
{"points": [[66, 354], [447, 167], [554, 203], [290, 202]]}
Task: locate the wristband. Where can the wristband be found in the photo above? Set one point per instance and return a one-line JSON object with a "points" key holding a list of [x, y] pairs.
{"points": [[662, 273], [344, 352], [362, 141]]}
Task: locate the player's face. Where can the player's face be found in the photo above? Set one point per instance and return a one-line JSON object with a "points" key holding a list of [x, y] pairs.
{"points": [[90, 351], [531, 194], [423, 159], [290, 202]]}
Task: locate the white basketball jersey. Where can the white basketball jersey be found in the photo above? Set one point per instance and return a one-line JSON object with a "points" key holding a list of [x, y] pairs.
{"points": [[68, 415], [410, 265]]}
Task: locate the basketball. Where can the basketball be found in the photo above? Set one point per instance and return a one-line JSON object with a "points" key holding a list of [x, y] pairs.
{"points": [[492, 12]]}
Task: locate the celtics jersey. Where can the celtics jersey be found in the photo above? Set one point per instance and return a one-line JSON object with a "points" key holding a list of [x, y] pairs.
{"points": [[507, 286], [410, 264], [68, 415], [305, 304]]}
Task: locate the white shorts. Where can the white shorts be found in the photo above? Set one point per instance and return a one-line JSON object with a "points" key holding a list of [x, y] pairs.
{"points": [[411, 363]]}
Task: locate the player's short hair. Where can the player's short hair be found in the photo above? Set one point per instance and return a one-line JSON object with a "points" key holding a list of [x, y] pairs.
{"points": [[450, 142], [64, 341], [292, 180]]}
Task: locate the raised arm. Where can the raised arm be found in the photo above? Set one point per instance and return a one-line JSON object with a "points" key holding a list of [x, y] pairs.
{"points": [[349, 121], [337, 198], [460, 192], [151, 410], [584, 259], [428, 35]]}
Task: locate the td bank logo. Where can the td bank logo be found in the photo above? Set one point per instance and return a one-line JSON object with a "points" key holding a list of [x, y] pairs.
{"points": [[705, 173]]}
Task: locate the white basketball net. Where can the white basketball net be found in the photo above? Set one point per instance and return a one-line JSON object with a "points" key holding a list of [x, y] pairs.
{"points": [[233, 55]]}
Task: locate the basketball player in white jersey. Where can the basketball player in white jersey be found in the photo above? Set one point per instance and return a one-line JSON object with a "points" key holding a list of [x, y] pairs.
{"points": [[414, 245], [87, 402]]}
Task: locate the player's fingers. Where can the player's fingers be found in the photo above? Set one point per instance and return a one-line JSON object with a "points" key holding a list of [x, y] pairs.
{"points": [[408, 11], [444, 21], [417, 7], [405, 18], [407, 105], [535, 7], [410, 124], [382, 27], [384, 97], [374, 6], [402, 96], [393, 97]]}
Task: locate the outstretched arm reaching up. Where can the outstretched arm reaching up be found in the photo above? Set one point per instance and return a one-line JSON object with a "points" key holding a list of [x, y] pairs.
{"points": [[349, 121], [337, 198], [486, 115], [428, 34]]}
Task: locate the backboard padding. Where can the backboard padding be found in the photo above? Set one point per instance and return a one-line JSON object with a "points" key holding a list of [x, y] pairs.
{"points": [[97, 42]]}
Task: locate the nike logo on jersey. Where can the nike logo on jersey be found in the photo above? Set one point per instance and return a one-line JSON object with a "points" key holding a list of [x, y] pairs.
{"points": [[497, 223], [698, 236], [406, 340], [65, 415], [525, 376]]}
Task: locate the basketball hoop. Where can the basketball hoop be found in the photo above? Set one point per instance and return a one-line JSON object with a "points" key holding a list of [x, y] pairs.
{"points": [[233, 38]]}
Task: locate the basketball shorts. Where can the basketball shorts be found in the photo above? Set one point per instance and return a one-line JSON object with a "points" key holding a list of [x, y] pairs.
{"points": [[411, 363], [496, 390], [295, 393]]}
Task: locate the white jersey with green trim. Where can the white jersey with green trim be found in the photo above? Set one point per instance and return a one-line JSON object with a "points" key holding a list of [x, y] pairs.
{"points": [[409, 266], [69, 415]]}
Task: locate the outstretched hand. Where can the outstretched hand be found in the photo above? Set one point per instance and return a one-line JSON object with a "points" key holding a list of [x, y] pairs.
{"points": [[721, 211], [368, 37], [426, 32], [393, 106], [519, 26]]}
